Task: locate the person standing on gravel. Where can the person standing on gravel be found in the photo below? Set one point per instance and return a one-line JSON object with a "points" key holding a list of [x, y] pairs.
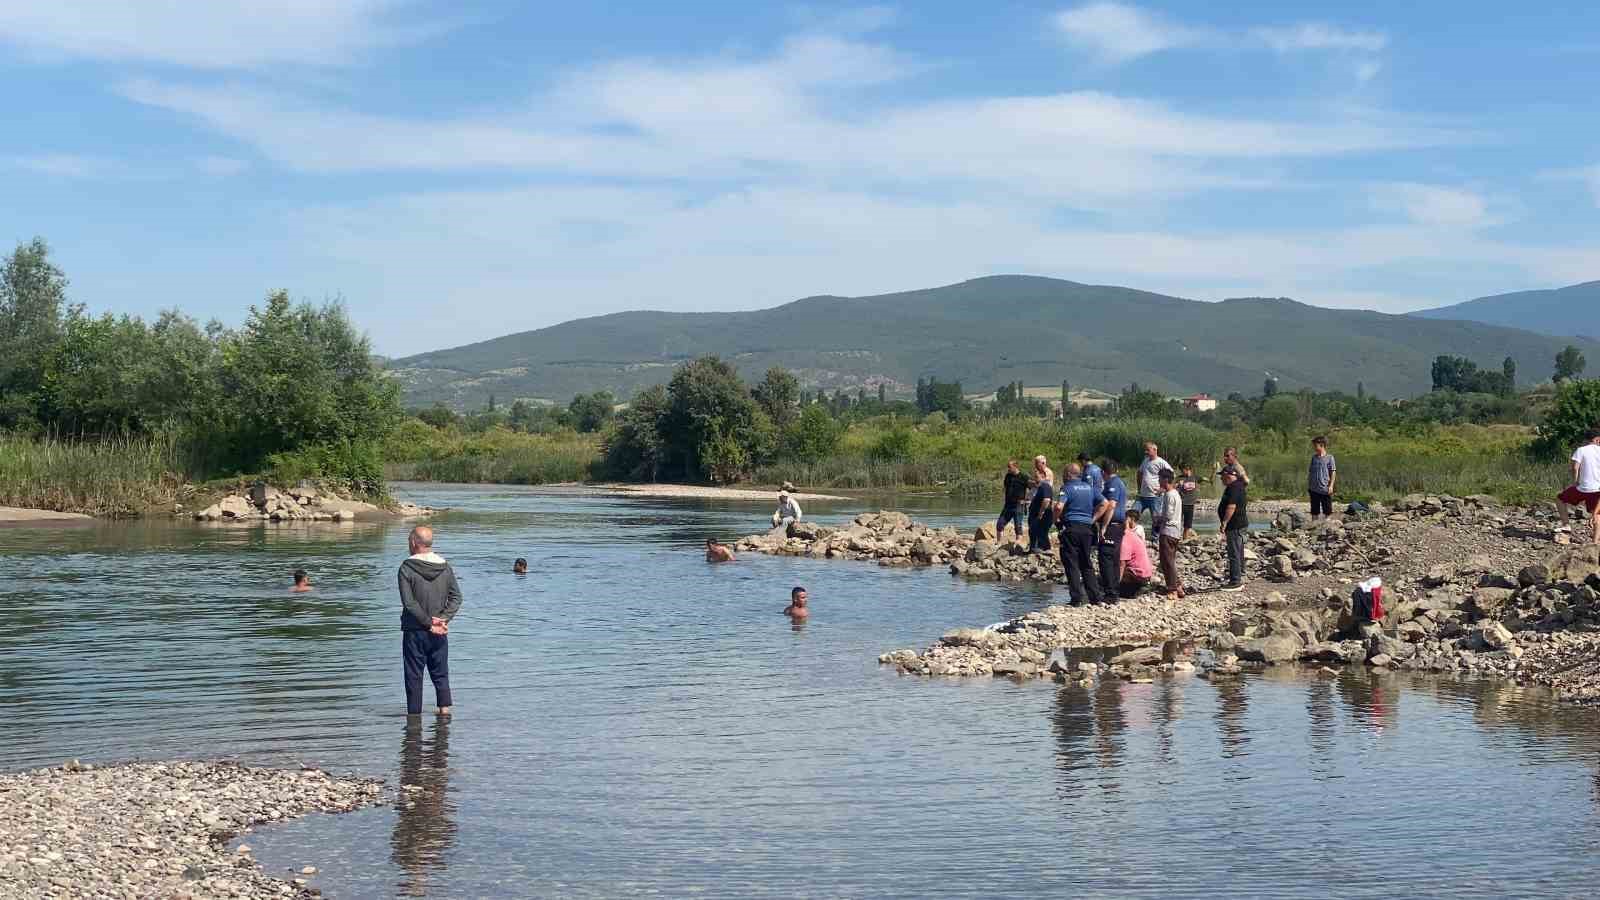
{"points": [[1150, 470], [430, 597], [1112, 517], [1585, 488], [1016, 489], [1076, 510], [1189, 489], [1171, 522], [1230, 457], [1321, 479], [1041, 507], [1231, 512]]}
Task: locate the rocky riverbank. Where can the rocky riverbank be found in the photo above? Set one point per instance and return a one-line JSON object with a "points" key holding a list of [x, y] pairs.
{"points": [[146, 830], [304, 503], [1471, 587]]}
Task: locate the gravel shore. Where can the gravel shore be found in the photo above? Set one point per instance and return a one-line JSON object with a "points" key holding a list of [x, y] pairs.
{"points": [[157, 830]]}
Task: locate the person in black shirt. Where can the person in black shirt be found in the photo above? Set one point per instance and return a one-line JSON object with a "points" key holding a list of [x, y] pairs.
{"points": [[1231, 510], [1016, 490], [1041, 513]]}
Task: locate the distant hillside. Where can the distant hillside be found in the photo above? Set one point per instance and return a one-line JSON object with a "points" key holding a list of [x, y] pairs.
{"points": [[1562, 312], [984, 332]]}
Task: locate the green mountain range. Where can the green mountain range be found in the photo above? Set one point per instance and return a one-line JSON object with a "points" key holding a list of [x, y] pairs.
{"points": [[984, 333], [1562, 312]]}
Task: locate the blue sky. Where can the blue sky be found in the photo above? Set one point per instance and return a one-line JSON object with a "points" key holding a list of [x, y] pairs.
{"points": [[458, 171]]}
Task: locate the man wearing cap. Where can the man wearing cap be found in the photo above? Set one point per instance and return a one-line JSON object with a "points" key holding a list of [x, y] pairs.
{"points": [[1231, 512], [788, 510]]}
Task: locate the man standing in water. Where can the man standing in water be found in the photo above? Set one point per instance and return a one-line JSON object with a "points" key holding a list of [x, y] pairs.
{"points": [[429, 598], [302, 582], [796, 610]]}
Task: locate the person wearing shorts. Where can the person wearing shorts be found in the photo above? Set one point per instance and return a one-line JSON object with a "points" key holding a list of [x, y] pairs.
{"points": [[1585, 488]]}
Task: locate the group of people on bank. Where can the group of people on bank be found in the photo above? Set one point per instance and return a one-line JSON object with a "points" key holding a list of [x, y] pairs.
{"points": [[1098, 527]]}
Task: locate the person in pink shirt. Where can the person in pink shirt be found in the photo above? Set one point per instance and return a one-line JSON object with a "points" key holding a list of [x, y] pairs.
{"points": [[1133, 567]]}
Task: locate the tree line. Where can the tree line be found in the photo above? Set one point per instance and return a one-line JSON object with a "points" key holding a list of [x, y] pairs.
{"points": [[294, 386]]}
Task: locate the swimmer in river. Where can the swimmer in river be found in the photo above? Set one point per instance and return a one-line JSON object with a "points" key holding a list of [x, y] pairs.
{"points": [[716, 552], [520, 567], [302, 582], [796, 609]]}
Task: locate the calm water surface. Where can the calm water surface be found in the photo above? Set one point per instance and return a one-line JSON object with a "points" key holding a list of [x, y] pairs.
{"points": [[631, 720]]}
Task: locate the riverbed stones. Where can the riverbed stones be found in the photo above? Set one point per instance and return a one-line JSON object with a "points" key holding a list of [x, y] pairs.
{"points": [[155, 829]]}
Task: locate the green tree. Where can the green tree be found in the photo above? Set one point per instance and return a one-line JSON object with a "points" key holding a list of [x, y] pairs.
{"points": [[1569, 363], [99, 376], [778, 393], [439, 416], [634, 446], [812, 436], [1575, 410], [298, 377], [33, 300], [708, 405], [1066, 396], [1280, 415], [590, 412], [1508, 368], [1269, 387], [883, 393], [1139, 404]]}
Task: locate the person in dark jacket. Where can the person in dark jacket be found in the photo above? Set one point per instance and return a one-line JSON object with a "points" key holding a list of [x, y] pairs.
{"points": [[429, 598], [1016, 487]]}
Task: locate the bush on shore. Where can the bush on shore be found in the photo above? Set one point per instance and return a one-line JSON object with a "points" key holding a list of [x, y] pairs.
{"points": [[121, 477]]}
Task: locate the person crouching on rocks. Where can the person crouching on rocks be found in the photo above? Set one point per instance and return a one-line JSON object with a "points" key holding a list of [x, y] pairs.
{"points": [[796, 610], [1133, 566], [788, 510], [717, 553], [429, 598], [1171, 524]]}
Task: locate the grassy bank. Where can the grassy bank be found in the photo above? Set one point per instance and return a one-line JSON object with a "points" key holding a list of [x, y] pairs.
{"points": [[967, 458], [1457, 459], [420, 452], [116, 478]]}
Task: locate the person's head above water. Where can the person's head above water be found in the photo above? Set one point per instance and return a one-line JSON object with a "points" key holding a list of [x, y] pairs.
{"points": [[302, 581], [421, 539], [520, 567], [797, 596]]}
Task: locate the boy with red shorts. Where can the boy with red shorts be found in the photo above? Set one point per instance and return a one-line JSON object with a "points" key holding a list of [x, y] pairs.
{"points": [[1585, 488]]}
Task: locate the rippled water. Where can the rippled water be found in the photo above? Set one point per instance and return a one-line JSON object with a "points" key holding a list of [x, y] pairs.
{"points": [[633, 720]]}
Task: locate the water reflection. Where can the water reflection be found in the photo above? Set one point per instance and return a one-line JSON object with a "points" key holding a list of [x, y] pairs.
{"points": [[1233, 707], [425, 824]]}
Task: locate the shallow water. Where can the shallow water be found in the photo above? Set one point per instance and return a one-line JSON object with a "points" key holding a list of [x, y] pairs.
{"points": [[633, 720]]}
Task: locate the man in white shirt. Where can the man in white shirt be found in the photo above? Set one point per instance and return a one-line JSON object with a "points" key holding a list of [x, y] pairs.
{"points": [[1585, 488], [1150, 493], [788, 510]]}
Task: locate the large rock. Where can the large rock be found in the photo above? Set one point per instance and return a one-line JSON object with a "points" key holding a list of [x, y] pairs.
{"points": [[985, 532], [805, 531], [1574, 565], [1488, 602], [1139, 656], [235, 507], [1281, 567], [974, 637], [1535, 574], [1272, 649], [1495, 636], [982, 551]]}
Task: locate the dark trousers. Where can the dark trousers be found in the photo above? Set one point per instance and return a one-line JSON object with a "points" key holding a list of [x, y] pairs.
{"points": [[1188, 518], [1321, 504], [1039, 528], [1169, 563], [1077, 557], [1110, 556], [1011, 515], [1235, 555], [421, 650]]}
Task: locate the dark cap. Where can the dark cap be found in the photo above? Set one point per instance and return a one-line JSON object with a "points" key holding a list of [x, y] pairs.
{"points": [[1230, 470]]}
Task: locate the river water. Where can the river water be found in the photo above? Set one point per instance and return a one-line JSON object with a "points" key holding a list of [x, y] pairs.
{"points": [[631, 720]]}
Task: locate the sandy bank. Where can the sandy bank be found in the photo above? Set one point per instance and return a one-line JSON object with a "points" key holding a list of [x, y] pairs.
{"points": [[695, 491], [156, 829], [17, 515]]}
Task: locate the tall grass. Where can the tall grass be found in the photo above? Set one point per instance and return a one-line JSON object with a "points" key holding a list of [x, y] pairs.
{"points": [[969, 457], [1382, 465], [115, 477], [497, 456]]}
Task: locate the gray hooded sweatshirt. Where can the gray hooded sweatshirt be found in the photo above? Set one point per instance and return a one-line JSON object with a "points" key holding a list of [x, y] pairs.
{"points": [[428, 588]]}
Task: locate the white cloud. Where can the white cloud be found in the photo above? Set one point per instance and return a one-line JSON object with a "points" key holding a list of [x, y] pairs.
{"points": [[851, 21], [220, 166], [1368, 69], [217, 34], [1320, 36], [1428, 204], [1117, 32], [65, 165]]}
